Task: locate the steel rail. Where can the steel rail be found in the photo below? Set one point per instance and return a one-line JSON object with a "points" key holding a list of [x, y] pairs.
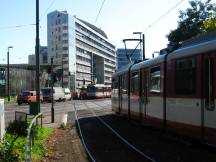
{"points": [[119, 136], [81, 135]]}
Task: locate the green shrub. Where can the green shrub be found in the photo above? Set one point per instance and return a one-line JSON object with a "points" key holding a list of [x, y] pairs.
{"points": [[18, 128], [7, 153], [62, 126], [13, 147]]}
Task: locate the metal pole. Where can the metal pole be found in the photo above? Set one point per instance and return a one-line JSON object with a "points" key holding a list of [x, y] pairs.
{"points": [[92, 71], [37, 51], [143, 41], [8, 85], [140, 44], [52, 107], [62, 73]]}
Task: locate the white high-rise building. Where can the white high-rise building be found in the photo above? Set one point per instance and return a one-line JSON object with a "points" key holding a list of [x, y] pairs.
{"points": [[81, 49]]}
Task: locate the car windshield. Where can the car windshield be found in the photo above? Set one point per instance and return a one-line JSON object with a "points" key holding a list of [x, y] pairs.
{"points": [[26, 93], [46, 91]]}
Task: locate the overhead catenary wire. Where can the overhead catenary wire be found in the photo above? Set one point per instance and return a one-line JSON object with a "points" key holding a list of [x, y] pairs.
{"points": [[44, 13], [99, 11], [33, 24], [166, 13], [17, 26]]}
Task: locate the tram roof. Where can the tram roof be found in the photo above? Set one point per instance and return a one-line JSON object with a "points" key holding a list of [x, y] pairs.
{"points": [[122, 70], [194, 49], [189, 50], [148, 63]]}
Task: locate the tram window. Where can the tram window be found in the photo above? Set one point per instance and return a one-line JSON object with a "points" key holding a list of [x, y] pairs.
{"points": [[185, 77], [155, 80], [135, 83], [114, 83], [124, 84]]}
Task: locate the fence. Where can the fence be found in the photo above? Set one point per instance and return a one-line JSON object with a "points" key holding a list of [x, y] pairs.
{"points": [[30, 136]]}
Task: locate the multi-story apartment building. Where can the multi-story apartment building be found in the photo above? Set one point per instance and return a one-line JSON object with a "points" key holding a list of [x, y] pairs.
{"points": [[81, 50], [122, 58]]}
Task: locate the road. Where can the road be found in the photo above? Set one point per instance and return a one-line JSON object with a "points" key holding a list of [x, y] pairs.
{"points": [[59, 108]]}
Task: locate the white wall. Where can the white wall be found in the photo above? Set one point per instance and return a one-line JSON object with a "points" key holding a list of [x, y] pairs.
{"points": [[2, 119]]}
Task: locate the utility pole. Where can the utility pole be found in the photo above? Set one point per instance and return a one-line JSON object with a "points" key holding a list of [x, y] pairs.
{"points": [[143, 42], [37, 51], [52, 107], [8, 73], [62, 73]]}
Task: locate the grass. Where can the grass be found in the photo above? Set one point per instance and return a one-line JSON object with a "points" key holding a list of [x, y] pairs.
{"points": [[12, 100], [14, 147]]}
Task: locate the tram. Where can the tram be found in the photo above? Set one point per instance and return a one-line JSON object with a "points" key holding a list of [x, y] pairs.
{"points": [[175, 91], [96, 91]]}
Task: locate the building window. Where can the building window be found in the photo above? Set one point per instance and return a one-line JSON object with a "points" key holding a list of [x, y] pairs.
{"points": [[64, 34], [64, 48], [65, 55], [155, 80], [64, 41], [185, 77]]}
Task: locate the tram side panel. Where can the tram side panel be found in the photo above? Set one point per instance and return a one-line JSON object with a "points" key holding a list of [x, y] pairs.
{"points": [[124, 94], [154, 105], [134, 95], [115, 94], [209, 81], [183, 111]]}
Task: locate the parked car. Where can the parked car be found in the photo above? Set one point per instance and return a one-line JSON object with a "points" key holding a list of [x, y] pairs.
{"points": [[27, 97], [67, 94], [58, 94]]}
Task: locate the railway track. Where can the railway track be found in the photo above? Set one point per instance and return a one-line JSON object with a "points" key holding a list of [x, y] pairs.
{"points": [[139, 143], [110, 145]]}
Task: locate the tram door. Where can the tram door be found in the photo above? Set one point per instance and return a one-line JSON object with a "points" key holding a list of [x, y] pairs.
{"points": [[124, 94], [209, 116], [144, 97]]}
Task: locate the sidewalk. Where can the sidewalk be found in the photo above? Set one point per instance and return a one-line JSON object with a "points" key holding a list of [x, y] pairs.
{"points": [[58, 120], [64, 144]]}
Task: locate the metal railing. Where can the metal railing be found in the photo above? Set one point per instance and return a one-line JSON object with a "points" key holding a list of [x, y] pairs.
{"points": [[30, 136]]}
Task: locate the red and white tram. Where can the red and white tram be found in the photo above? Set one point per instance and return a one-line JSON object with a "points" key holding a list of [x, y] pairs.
{"points": [[174, 91], [96, 91]]}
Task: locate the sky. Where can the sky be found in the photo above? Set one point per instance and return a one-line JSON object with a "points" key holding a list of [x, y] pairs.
{"points": [[118, 19]]}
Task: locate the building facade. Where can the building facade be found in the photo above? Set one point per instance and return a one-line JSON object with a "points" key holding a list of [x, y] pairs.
{"points": [[122, 59], [43, 56], [80, 50], [22, 77]]}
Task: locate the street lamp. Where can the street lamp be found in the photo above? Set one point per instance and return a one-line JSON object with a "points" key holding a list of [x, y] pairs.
{"points": [[8, 78]]}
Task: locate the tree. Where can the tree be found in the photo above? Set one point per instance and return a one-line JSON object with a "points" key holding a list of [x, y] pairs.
{"points": [[210, 24], [191, 22]]}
